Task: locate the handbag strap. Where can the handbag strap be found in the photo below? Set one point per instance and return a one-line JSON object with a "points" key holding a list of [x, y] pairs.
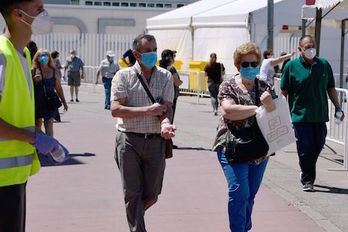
{"points": [[257, 92], [149, 94], [43, 80]]}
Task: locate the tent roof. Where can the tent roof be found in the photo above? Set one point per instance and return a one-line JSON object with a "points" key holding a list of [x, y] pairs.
{"points": [[234, 13], [181, 17]]}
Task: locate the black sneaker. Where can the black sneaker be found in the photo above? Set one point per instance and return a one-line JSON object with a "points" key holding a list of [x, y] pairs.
{"points": [[77, 100], [71, 100]]}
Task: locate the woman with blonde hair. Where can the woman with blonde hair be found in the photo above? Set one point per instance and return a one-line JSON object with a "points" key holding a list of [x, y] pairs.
{"points": [[239, 98], [47, 86]]}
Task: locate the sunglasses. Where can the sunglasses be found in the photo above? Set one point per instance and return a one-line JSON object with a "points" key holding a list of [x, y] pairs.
{"points": [[246, 64]]}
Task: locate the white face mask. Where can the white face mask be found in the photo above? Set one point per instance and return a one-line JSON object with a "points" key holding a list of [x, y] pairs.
{"points": [[310, 53], [41, 24]]}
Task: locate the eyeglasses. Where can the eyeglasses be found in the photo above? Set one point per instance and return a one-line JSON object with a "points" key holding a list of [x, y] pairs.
{"points": [[246, 64]]}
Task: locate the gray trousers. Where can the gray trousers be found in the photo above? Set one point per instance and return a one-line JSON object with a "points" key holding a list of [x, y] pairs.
{"points": [[141, 162]]}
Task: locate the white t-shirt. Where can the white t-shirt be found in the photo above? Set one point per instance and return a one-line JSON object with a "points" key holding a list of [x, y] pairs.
{"points": [[267, 71], [25, 66]]}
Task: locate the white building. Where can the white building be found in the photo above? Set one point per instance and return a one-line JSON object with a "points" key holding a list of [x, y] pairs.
{"points": [[105, 16]]}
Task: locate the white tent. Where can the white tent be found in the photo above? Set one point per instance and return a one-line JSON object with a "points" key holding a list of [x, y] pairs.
{"points": [[219, 26]]}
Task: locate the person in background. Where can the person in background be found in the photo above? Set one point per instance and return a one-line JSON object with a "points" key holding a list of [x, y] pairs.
{"points": [[128, 58], [267, 70], [307, 81], [74, 68], [56, 62], [32, 48], [167, 61], [107, 69], [18, 139], [237, 98], [142, 128], [46, 82], [215, 72]]}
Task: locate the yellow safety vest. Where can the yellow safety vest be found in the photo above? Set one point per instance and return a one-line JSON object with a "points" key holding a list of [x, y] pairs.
{"points": [[18, 160]]}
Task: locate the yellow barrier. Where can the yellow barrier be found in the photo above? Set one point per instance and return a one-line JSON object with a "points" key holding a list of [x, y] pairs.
{"points": [[122, 64], [197, 79], [177, 64]]}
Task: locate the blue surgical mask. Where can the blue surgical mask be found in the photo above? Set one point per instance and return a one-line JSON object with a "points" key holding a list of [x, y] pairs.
{"points": [[149, 59], [43, 59], [249, 73]]}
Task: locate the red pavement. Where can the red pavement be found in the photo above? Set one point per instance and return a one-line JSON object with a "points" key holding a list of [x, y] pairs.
{"points": [[86, 195]]}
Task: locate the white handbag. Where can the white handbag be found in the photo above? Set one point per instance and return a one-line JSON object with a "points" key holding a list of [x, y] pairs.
{"points": [[276, 126]]}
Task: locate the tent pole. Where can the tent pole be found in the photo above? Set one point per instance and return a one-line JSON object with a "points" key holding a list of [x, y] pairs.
{"points": [[343, 34], [270, 23], [318, 18]]}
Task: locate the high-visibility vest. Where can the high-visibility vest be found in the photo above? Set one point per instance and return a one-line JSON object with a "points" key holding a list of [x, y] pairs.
{"points": [[18, 159]]}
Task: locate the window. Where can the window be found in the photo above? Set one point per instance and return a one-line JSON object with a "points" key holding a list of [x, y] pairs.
{"points": [[150, 5], [89, 3], [75, 2], [115, 4], [168, 5], [132, 4], [142, 4], [97, 3], [107, 3], [159, 5], [124, 4], [180, 5]]}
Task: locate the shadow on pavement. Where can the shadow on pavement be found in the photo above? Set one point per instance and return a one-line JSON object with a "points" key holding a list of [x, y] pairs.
{"points": [[328, 189], [193, 148], [46, 161]]}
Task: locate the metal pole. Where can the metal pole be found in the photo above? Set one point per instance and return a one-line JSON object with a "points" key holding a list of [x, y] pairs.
{"points": [[319, 13], [343, 31], [303, 27], [270, 23]]}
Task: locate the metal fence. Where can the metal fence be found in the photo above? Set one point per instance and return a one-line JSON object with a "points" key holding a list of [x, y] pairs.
{"points": [[91, 48]]}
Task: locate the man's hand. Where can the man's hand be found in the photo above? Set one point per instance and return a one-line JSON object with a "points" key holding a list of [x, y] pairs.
{"points": [[267, 101], [167, 130], [157, 109]]}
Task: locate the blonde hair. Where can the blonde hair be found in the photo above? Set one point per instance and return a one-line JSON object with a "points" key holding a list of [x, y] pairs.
{"points": [[246, 49], [36, 62]]}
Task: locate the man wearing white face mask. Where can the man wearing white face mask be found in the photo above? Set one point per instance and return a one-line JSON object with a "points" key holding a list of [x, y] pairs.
{"points": [[18, 139], [142, 127], [307, 81]]}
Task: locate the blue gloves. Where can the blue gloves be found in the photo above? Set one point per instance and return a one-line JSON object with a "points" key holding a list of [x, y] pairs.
{"points": [[44, 143]]}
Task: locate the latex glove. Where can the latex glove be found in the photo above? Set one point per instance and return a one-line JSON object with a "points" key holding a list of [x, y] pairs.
{"points": [[44, 143]]}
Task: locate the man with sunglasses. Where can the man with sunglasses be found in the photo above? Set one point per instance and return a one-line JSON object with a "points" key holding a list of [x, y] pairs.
{"points": [[142, 127], [214, 71], [307, 81]]}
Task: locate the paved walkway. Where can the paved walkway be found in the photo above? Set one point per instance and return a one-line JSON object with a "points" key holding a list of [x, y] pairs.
{"points": [[85, 194]]}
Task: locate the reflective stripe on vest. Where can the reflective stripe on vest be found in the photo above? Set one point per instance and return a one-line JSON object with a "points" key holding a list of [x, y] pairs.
{"points": [[14, 162], [31, 129]]}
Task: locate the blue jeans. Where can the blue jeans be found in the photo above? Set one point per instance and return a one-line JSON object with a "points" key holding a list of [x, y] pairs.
{"points": [[243, 181], [107, 87], [310, 142]]}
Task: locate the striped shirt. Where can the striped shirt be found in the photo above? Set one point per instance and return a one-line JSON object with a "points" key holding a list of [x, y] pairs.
{"points": [[126, 84]]}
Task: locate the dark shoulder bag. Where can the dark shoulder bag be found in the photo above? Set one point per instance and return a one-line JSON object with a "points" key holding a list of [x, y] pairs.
{"points": [[246, 144], [52, 100], [169, 142]]}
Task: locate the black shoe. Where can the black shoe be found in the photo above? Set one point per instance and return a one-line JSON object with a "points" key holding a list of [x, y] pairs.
{"points": [[77, 100], [108, 107], [175, 146], [105, 107], [71, 100]]}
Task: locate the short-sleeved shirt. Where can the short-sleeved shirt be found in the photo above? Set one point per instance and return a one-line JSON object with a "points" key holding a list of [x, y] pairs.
{"points": [[126, 84], [25, 67], [307, 87], [267, 71], [229, 90], [214, 72], [130, 56], [74, 65], [108, 69]]}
